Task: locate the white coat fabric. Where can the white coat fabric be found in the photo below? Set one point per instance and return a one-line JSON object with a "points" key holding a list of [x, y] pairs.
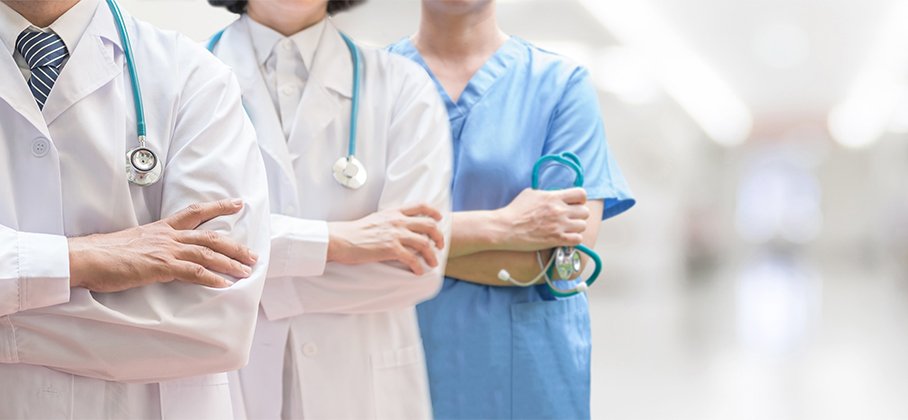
{"points": [[342, 341], [150, 352]]}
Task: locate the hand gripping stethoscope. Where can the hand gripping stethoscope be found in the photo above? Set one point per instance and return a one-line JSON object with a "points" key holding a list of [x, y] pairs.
{"points": [[142, 165], [565, 261], [348, 170]]}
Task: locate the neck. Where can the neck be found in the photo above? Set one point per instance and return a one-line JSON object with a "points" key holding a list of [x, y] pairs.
{"points": [[41, 13], [284, 17], [459, 35]]}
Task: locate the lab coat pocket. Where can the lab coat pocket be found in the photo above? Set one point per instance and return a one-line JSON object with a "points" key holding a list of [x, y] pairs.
{"points": [[400, 384], [551, 359], [200, 397]]}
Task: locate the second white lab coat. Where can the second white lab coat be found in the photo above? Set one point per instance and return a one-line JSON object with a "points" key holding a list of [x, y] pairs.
{"points": [[149, 352], [345, 336]]}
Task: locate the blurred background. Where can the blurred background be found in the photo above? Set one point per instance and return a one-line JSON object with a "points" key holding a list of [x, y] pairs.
{"points": [[764, 272]]}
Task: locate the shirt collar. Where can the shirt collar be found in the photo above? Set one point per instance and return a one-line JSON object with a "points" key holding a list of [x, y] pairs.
{"points": [[70, 26], [265, 39]]}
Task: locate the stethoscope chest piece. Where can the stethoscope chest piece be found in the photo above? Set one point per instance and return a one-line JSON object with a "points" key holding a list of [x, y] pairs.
{"points": [[350, 172], [567, 262], [142, 166]]}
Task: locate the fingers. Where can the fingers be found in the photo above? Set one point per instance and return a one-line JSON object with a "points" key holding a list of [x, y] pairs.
{"points": [[427, 227], [193, 273], [423, 247], [572, 195], [572, 239], [578, 212], [410, 259], [575, 226], [218, 243], [422, 210], [213, 261], [193, 216]]}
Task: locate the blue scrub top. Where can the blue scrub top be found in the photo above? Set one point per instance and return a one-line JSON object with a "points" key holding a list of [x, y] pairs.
{"points": [[511, 352]]}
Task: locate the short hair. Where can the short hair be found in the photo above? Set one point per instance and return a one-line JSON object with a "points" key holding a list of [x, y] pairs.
{"points": [[239, 6]]}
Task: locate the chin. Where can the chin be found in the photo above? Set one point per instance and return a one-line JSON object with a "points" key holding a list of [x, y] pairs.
{"points": [[456, 7]]}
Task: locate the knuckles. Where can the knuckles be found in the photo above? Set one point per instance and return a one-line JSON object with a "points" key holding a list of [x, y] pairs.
{"points": [[211, 236], [195, 210]]}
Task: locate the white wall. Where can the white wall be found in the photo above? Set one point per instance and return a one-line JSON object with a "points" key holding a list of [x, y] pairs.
{"points": [[194, 18]]}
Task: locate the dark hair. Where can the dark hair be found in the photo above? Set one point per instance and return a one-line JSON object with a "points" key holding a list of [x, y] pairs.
{"points": [[239, 6]]}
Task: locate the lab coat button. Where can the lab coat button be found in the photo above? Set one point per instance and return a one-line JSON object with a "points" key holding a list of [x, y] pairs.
{"points": [[40, 147], [287, 44], [310, 350], [288, 90]]}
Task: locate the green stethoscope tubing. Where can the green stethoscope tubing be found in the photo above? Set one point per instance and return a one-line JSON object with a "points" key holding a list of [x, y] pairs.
{"points": [[357, 70], [131, 68], [572, 162]]}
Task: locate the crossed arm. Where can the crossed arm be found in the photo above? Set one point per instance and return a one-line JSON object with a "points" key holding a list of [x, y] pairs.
{"points": [[484, 242]]}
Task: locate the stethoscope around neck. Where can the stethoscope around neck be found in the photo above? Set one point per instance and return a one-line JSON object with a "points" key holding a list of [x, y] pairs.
{"points": [[347, 170], [565, 261], [143, 167]]}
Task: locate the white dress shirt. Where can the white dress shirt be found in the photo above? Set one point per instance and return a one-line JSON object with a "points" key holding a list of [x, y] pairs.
{"points": [[69, 27], [285, 63]]}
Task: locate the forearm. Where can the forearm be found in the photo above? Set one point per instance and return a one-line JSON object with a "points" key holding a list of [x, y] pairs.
{"points": [[483, 267], [350, 289], [477, 231]]}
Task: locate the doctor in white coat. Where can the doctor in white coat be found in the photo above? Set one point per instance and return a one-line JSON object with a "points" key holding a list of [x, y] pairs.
{"points": [[338, 336], [92, 323]]}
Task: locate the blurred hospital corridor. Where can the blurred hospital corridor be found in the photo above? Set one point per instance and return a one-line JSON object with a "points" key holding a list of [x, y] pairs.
{"points": [[763, 273]]}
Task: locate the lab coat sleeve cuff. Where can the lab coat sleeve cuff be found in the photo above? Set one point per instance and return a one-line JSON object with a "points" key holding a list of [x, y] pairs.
{"points": [[299, 247], [43, 270]]}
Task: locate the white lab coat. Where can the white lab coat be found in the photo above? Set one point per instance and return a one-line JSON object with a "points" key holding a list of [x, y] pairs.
{"points": [[351, 330], [151, 352]]}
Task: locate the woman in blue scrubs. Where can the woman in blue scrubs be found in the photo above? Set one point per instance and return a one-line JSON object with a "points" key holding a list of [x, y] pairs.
{"points": [[494, 350]]}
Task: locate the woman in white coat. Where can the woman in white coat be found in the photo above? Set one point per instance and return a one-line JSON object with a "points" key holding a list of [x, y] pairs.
{"points": [[338, 337], [72, 227]]}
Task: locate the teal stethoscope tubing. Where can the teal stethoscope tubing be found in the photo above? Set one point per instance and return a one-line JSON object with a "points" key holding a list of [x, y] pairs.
{"points": [[357, 66], [131, 67], [572, 162]]}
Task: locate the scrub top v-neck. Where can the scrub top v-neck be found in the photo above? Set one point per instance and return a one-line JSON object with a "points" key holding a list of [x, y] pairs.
{"points": [[511, 352]]}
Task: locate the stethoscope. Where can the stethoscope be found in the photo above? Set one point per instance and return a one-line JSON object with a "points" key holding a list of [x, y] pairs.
{"points": [[143, 167], [565, 260], [348, 170]]}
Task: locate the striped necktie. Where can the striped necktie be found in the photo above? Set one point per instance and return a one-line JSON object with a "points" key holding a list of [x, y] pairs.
{"points": [[44, 52]]}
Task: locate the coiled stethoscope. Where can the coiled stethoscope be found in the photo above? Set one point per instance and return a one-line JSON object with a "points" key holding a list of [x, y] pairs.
{"points": [[348, 170], [565, 261], [143, 167]]}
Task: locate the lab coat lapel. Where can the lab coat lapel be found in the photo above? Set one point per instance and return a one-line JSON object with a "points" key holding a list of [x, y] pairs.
{"points": [[14, 91], [235, 49], [330, 83], [96, 61]]}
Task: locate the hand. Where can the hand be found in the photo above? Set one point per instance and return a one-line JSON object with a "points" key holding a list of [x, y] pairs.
{"points": [[160, 252], [406, 235], [538, 219]]}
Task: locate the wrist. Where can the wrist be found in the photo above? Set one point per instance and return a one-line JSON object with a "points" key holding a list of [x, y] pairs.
{"points": [[498, 225], [76, 262], [337, 244]]}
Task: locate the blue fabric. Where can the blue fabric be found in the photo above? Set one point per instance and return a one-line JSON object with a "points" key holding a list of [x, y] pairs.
{"points": [[510, 352], [44, 52]]}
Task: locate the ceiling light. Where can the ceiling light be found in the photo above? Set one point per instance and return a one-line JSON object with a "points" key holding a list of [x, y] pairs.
{"points": [[683, 73]]}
